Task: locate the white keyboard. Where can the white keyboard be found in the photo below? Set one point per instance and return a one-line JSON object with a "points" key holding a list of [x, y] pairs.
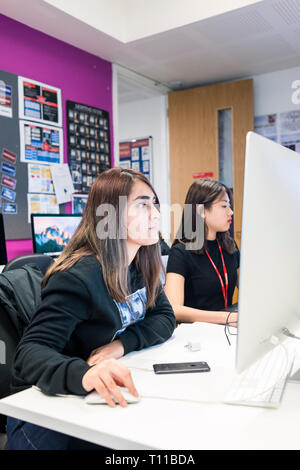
{"points": [[263, 383]]}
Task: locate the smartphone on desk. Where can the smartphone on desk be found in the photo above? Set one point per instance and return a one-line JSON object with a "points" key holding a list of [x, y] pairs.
{"points": [[181, 367]]}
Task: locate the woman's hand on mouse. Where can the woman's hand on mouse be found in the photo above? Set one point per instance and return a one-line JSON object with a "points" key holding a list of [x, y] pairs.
{"points": [[106, 377]]}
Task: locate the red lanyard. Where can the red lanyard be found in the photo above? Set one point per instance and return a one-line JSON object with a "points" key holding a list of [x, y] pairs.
{"points": [[224, 289]]}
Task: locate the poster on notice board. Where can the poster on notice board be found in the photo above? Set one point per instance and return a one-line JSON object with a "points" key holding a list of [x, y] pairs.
{"points": [[283, 128], [137, 154], [40, 144], [39, 102]]}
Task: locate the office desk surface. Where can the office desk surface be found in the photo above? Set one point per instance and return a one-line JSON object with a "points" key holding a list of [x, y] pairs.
{"points": [[187, 412]]}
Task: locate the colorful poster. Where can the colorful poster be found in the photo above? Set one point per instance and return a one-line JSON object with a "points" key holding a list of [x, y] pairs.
{"points": [[9, 182], [283, 128], [291, 141], [267, 126], [40, 179], [9, 208], [9, 156], [137, 154], [88, 144], [79, 203], [8, 169], [5, 100], [289, 122], [40, 144], [290, 130], [39, 102], [42, 204], [8, 194]]}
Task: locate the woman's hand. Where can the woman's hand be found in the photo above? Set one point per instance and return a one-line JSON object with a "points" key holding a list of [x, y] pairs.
{"points": [[232, 318], [105, 378], [113, 350]]}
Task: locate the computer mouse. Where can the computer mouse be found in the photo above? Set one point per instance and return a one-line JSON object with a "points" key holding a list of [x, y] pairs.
{"points": [[93, 398]]}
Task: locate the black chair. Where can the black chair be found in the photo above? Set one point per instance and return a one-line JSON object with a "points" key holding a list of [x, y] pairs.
{"points": [[8, 332], [42, 261], [3, 251]]}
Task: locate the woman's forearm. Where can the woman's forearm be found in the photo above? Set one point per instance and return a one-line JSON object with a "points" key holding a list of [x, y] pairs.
{"points": [[190, 315]]}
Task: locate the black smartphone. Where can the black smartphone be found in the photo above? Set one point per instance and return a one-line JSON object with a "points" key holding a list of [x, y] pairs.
{"points": [[181, 367]]}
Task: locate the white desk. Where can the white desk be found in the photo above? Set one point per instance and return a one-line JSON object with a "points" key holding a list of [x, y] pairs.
{"points": [[171, 424]]}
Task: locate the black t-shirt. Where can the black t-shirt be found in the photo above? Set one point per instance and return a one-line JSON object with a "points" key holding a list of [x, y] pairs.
{"points": [[202, 287], [164, 247]]}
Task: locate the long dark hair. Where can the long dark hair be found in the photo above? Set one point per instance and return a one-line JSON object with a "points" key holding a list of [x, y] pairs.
{"points": [[111, 251], [205, 192]]}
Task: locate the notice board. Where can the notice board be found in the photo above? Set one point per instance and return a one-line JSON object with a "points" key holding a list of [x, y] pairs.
{"points": [[89, 150], [31, 137], [137, 155], [15, 223]]}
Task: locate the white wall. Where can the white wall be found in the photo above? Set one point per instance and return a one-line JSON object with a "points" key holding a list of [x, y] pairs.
{"points": [[149, 118], [273, 91]]}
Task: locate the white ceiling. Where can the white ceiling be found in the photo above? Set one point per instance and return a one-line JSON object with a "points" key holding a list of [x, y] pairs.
{"points": [[129, 20], [261, 37]]}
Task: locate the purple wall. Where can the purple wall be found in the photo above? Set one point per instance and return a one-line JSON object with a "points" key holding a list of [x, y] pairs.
{"points": [[82, 77]]}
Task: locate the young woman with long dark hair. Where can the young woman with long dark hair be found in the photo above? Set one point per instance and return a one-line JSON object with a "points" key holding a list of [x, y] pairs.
{"points": [[102, 298]]}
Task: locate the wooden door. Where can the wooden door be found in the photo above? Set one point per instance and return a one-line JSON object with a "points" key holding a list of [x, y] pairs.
{"points": [[194, 143]]}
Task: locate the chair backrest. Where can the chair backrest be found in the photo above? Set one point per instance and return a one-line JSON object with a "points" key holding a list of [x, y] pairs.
{"points": [[9, 335], [3, 252], [42, 261], [164, 259], [9, 341]]}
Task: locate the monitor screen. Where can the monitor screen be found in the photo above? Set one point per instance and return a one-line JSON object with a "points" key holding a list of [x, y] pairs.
{"points": [[269, 294], [51, 233]]}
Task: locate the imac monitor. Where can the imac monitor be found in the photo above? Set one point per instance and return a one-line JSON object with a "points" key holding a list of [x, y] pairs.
{"points": [[51, 233], [269, 290]]}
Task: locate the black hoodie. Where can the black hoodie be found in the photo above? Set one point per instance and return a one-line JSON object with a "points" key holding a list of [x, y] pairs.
{"points": [[77, 315]]}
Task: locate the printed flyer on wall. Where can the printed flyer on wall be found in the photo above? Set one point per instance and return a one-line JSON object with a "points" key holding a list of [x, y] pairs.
{"points": [[40, 179], [267, 126], [42, 204], [8, 194], [9, 208], [137, 154], [62, 181], [40, 144], [5, 100], [9, 182], [289, 122], [291, 141], [8, 169], [290, 130], [39, 102], [283, 128], [79, 203]]}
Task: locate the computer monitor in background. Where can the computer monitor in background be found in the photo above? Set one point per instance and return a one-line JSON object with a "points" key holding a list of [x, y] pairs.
{"points": [[269, 290], [51, 233], [3, 253]]}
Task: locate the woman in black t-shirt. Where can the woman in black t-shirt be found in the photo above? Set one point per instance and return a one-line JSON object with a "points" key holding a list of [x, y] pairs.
{"points": [[203, 265]]}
